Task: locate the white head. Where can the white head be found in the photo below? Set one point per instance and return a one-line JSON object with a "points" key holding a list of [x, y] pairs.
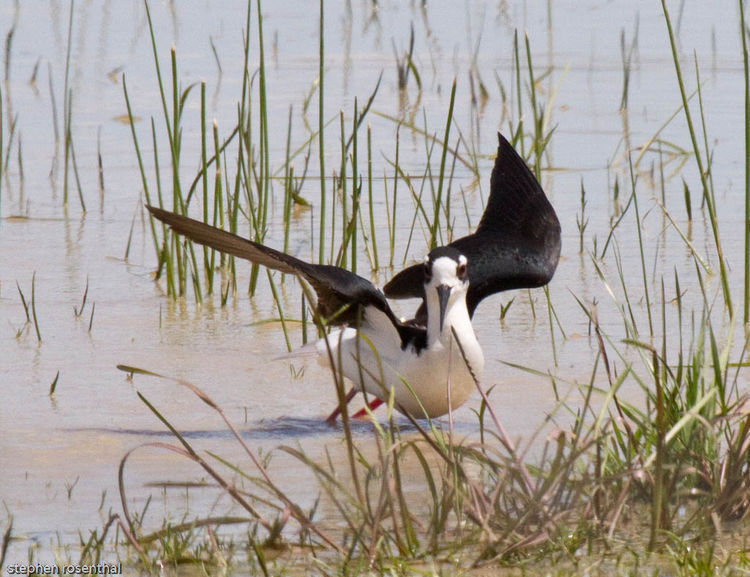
{"points": [[446, 280]]}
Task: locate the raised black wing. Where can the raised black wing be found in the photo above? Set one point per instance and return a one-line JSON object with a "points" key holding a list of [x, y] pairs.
{"points": [[517, 242], [341, 293]]}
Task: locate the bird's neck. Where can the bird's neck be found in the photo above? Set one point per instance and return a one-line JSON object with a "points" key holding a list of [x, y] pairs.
{"points": [[456, 318]]}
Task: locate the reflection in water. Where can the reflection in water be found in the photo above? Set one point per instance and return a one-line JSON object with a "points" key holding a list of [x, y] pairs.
{"points": [[287, 427]]}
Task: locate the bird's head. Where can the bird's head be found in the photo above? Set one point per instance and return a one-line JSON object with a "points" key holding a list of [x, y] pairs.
{"points": [[446, 276]]}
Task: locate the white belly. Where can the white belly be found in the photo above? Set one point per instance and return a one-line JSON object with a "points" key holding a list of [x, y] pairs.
{"points": [[422, 384]]}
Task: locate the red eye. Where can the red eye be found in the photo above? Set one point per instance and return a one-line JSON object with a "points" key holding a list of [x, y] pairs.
{"points": [[461, 271]]}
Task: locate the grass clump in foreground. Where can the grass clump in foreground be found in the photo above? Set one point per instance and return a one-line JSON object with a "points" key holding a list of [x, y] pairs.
{"points": [[624, 487]]}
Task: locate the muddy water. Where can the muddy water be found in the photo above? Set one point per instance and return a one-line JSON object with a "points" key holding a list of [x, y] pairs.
{"points": [[59, 454]]}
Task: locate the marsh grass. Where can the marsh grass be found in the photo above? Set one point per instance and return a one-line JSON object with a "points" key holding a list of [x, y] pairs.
{"points": [[321, 132], [746, 70], [69, 155], [703, 172], [33, 308], [53, 386], [680, 466], [2, 156], [5, 107]]}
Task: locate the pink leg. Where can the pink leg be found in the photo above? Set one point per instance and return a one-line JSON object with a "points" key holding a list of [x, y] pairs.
{"points": [[374, 404], [331, 419]]}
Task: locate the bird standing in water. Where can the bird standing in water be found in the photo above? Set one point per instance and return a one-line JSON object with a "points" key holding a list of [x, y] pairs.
{"points": [[430, 363]]}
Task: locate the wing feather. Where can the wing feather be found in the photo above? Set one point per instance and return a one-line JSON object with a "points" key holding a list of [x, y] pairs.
{"points": [[342, 295], [517, 242]]}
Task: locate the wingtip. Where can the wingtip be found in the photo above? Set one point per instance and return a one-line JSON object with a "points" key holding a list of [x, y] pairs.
{"points": [[179, 223], [515, 189], [157, 212], [518, 218], [501, 140], [536, 217]]}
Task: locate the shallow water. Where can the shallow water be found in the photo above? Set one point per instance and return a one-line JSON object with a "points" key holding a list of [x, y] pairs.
{"points": [[59, 455]]}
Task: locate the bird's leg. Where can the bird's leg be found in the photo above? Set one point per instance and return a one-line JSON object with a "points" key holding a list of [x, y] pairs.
{"points": [[331, 419], [374, 404]]}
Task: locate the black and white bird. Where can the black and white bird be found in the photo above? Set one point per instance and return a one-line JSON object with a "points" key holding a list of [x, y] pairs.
{"points": [[430, 363]]}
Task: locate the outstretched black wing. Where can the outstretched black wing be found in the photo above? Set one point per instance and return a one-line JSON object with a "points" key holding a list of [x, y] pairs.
{"points": [[342, 295], [517, 242]]}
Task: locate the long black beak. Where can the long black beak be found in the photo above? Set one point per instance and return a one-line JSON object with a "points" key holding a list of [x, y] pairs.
{"points": [[443, 291]]}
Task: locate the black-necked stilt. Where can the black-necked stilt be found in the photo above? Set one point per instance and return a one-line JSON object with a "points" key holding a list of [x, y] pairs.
{"points": [[516, 245]]}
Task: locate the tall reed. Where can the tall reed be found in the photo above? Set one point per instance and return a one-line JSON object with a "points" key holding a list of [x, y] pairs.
{"points": [[708, 195], [746, 69], [321, 126]]}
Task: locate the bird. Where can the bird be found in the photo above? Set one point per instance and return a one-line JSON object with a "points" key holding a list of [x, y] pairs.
{"points": [[428, 365]]}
